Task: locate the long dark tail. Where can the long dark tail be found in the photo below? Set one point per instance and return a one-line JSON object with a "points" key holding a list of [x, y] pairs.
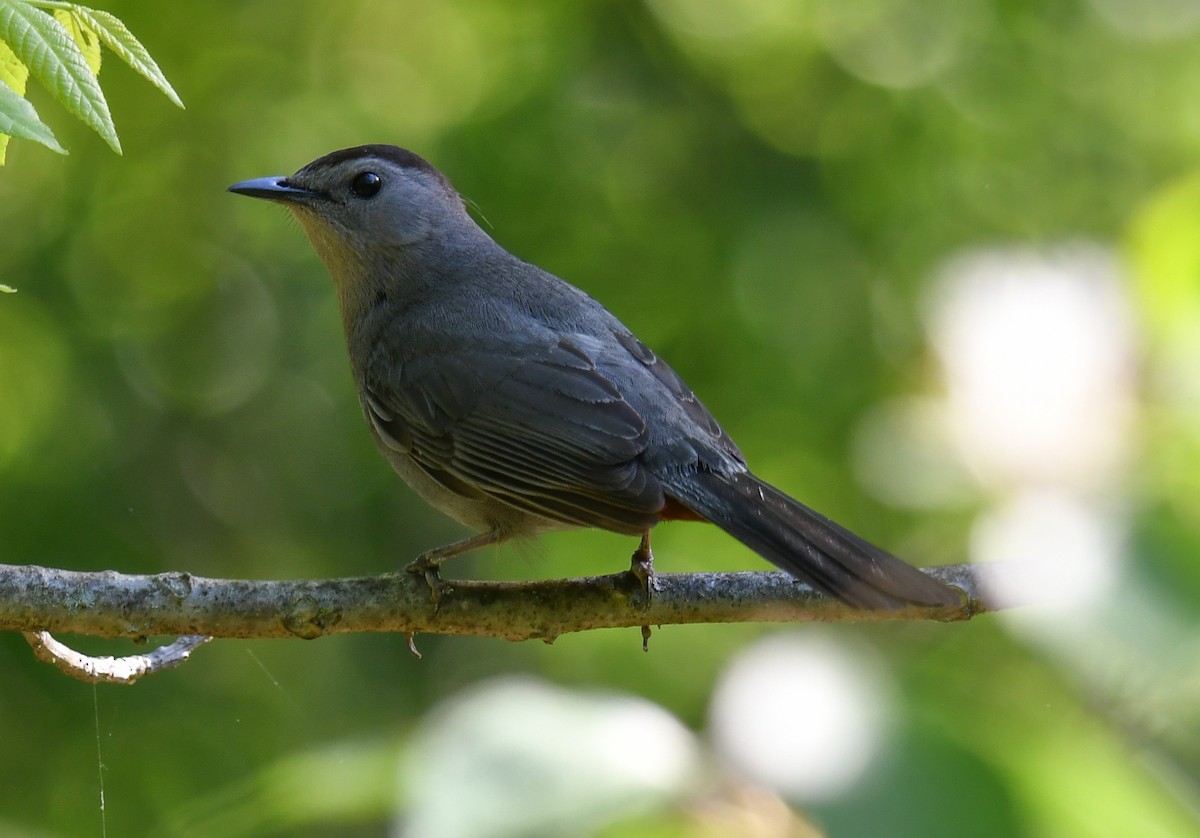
{"points": [[806, 544]]}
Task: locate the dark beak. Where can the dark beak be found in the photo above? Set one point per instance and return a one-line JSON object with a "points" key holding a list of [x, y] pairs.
{"points": [[275, 189]]}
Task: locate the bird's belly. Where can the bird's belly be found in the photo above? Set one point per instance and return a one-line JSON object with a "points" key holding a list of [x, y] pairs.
{"points": [[478, 511]]}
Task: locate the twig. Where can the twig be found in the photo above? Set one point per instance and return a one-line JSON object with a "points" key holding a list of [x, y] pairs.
{"points": [[124, 670]]}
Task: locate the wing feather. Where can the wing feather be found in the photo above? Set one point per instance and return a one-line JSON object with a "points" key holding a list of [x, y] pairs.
{"points": [[546, 433]]}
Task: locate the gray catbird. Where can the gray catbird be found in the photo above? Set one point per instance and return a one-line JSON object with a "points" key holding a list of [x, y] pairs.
{"points": [[516, 403]]}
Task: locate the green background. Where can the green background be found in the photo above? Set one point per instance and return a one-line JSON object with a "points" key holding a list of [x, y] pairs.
{"points": [[763, 192]]}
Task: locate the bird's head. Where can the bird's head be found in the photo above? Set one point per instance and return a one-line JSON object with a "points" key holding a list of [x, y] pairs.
{"points": [[363, 208]]}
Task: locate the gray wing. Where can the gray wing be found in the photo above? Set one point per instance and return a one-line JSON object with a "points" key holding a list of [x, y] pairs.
{"points": [[545, 432]]}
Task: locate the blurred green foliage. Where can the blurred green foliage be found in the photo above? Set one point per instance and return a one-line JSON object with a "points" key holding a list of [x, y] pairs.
{"points": [[761, 189]]}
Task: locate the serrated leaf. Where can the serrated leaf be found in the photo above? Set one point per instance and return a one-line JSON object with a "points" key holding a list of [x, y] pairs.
{"points": [[19, 119], [14, 74], [12, 71], [40, 42], [116, 36], [83, 35]]}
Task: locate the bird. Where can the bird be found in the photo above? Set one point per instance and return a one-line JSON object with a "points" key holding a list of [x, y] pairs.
{"points": [[515, 403]]}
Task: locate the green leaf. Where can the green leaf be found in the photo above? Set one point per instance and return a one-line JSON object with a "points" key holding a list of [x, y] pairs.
{"points": [[116, 36], [41, 44], [19, 119], [14, 74], [12, 71], [83, 35]]}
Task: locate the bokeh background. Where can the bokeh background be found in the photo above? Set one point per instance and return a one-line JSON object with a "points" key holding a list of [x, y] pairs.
{"points": [[935, 265]]}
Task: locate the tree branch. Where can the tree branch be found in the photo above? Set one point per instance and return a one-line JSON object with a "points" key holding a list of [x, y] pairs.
{"points": [[110, 604]]}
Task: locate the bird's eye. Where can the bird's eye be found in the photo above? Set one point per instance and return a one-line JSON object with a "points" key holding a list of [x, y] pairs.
{"points": [[366, 184]]}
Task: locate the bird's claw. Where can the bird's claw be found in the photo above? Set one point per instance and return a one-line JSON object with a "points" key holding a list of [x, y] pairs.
{"points": [[641, 565], [431, 569]]}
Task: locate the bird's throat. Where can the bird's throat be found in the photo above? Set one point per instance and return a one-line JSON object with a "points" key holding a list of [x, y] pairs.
{"points": [[346, 266]]}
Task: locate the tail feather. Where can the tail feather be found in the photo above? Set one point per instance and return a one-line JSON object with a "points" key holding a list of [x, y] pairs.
{"points": [[808, 545]]}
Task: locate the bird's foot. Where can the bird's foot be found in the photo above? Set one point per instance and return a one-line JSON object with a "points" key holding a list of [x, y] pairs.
{"points": [[430, 567], [641, 565], [429, 563]]}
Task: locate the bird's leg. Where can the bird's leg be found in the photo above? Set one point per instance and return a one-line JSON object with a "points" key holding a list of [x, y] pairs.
{"points": [[429, 563], [642, 561], [641, 565]]}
